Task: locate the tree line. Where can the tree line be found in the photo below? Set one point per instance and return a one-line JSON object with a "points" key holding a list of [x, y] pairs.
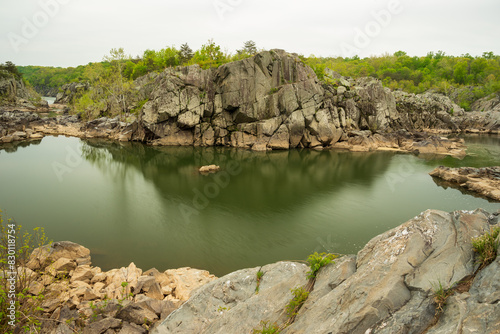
{"points": [[209, 55], [464, 78]]}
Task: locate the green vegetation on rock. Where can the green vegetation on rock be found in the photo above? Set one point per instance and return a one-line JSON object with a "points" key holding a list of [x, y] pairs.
{"points": [[464, 79], [486, 247], [317, 261], [267, 328]]}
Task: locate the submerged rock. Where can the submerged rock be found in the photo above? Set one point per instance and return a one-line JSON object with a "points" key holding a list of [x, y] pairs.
{"points": [[481, 181]]}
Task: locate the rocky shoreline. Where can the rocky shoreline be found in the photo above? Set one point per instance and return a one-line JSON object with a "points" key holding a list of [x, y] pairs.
{"points": [[388, 287], [480, 181], [24, 126], [79, 295]]}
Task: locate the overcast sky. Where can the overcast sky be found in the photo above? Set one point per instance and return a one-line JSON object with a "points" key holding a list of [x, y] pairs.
{"points": [[75, 32]]}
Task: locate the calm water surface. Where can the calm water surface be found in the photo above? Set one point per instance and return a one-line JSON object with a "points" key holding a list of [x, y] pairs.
{"points": [[129, 202]]}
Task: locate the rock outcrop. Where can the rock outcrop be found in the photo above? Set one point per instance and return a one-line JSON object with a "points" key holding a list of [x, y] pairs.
{"points": [[14, 93], [425, 111], [20, 126], [488, 103], [125, 300], [47, 91], [387, 288], [479, 122], [269, 101], [480, 181], [68, 92]]}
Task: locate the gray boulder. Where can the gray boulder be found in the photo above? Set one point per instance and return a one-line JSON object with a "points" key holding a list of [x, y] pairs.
{"points": [[231, 304]]}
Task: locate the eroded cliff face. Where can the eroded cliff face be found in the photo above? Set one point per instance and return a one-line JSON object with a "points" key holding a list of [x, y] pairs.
{"points": [[269, 101]]}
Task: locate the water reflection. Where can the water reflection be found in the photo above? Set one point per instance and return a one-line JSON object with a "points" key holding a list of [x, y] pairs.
{"points": [[14, 146], [446, 184], [264, 181]]}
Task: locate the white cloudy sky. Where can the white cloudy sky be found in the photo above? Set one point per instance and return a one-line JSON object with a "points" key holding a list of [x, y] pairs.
{"points": [[73, 32]]}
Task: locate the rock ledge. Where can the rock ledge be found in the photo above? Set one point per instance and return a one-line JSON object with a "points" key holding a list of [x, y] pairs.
{"points": [[482, 181]]}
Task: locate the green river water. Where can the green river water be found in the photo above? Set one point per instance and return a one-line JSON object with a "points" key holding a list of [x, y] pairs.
{"points": [[149, 205]]}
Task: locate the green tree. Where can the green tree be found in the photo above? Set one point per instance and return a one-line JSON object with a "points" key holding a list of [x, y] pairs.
{"points": [[488, 55], [460, 72], [249, 48], [210, 55], [109, 89], [185, 53], [115, 84], [10, 69], [168, 57]]}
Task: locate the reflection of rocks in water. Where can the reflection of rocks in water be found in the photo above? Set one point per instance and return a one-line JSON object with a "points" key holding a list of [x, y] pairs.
{"points": [[446, 184], [284, 178], [14, 146]]}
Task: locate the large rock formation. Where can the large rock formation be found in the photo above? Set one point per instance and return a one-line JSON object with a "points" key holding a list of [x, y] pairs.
{"points": [[484, 182], [269, 101], [387, 288], [274, 101]]}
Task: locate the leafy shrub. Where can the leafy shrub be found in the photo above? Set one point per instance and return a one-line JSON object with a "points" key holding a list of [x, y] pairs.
{"points": [[8, 69], [299, 298], [318, 260], [486, 247], [19, 308]]}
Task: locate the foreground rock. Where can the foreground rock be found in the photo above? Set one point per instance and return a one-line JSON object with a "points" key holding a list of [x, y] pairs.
{"points": [[481, 181], [387, 288], [125, 300]]}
